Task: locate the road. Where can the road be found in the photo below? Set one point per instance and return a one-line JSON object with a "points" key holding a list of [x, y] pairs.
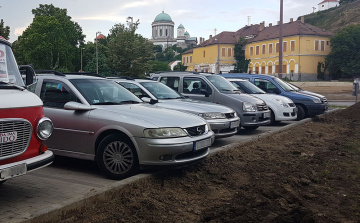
{"points": [[68, 181]]}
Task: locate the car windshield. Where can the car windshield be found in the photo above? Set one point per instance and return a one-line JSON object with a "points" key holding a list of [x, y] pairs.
{"points": [[9, 71], [283, 84], [296, 88], [247, 87], [104, 92], [222, 84], [160, 90]]}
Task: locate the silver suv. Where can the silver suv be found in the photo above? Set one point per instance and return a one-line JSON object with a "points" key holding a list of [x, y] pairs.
{"points": [[97, 119], [252, 111], [223, 120]]}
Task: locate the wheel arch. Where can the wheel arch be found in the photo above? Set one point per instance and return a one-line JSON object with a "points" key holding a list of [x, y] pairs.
{"points": [[304, 107]]}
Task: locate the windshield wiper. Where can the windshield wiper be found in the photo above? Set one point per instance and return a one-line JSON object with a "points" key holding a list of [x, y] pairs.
{"points": [[106, 103], [129, 102]]}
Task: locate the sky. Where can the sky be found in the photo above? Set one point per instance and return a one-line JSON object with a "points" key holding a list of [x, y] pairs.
{"points": [[199, 17]]}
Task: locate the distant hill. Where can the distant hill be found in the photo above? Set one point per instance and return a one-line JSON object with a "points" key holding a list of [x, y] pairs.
{"points": [[336, 18]]}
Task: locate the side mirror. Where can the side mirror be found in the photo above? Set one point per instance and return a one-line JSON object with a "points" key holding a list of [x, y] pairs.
{"points": [[153, 101], [277, 91], [203, 91], [71, 105], [146, 99], [28, 74]]}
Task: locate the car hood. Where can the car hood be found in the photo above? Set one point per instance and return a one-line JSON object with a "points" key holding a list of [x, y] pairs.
{"points": [[160, 117], [193, 106], [15, 98], [246, 98], [268, 97], [311, 93]]}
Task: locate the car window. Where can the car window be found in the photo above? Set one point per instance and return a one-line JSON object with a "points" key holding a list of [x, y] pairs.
{"points": [[265, 85], [133, 88], [160, 90], [56, 94], [222, 84], [283, 85], [172, 82], [193, 85], [247, 87], [154, 78]]}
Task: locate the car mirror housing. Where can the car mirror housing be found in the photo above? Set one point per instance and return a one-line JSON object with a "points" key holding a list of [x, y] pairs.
{"points": [[146, 99], [77, 106], [203, 91]]}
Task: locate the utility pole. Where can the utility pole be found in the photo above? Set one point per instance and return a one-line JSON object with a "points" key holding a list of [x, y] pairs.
{"points": [[281, 41], [81, 49], [217, 71], [215, 31], [97, 59]]}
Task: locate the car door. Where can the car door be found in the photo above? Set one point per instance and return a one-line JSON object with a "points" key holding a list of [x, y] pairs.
{"points": [[267, 86], [197, 88], [70, 127]]}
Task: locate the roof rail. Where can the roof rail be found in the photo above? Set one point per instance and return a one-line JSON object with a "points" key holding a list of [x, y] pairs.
{"points": [[84, 73], [49, 71], [120, 77]]}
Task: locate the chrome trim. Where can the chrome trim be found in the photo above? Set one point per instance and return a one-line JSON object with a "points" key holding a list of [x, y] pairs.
{"points": [[42, 120]]}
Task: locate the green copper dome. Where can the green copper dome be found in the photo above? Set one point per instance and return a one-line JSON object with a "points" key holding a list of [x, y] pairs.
{"points": [[163, 17], [181, 26], [186, 33]]}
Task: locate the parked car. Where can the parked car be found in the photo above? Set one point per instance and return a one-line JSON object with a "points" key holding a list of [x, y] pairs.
{"points": [[307, 105], [282, 108], [223, 121], [253, 112], [97, 119]]}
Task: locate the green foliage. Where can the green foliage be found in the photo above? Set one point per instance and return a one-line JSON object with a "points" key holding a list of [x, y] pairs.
{"points": [[342, 2], [128, 52], [239, 54], [157, 48], [159, 66], [345, 53], [180, 67], [51, 41], [4, 30]]}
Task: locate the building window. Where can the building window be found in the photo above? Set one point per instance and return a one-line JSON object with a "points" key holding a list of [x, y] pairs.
{"points": [[270, 69], [166, 32], [263, 49], [317, 45], [257, 50], [187, 59], [204, 53], [323, 45], [284, 46], [183, 60], [229, 52], [270, 48], [292, 45], [251, 50], [277, 47], [190, 59], [223, 51], [307, 45]]}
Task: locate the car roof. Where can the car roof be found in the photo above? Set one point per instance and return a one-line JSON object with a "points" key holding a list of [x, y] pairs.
{"points": [[131, 80], [250, 75], [237, 79], [69, 76], [178, 73]]}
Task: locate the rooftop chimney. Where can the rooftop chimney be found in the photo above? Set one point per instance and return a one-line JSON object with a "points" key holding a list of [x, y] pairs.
{"points": [[291, 20], [270, 24], [302, 19], [278, 22], [262, 26], [210, 36]]}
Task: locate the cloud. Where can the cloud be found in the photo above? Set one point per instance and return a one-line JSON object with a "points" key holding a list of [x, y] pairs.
{"points": [[134, 5], [19, 31]]}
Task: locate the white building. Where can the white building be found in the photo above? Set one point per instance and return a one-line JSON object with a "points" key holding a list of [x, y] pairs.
{"points": [[326, 4]]}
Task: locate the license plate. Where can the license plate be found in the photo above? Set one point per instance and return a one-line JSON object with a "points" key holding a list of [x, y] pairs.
{"points": [[266, 115], [202, 144], [234, 124], [13, 171]]}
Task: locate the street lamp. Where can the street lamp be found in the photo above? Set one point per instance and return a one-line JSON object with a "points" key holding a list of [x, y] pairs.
{"points": [[97, 60], [281, 41], [81, 58], [218, 58], [131, 21]]}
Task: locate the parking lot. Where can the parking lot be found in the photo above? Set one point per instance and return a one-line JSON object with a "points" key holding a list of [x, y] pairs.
{"points": [[69, 181]]}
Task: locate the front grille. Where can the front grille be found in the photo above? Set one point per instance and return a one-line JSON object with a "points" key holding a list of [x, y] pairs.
{"points": [[192, 154], [323, 100], [230, 115], [262, 107], [23, 129], [196, 131], [291, 104]]}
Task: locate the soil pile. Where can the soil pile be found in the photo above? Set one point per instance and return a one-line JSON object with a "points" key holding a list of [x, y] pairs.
{"points": [[310, 173]]}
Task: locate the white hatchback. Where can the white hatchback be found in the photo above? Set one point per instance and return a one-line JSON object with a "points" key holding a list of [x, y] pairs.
{"points": [[282, 108]]}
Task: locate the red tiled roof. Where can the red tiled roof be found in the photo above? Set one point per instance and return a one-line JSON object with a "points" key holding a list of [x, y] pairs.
{"points": [[188, 51], [290, 29], [101, 36], [328, 1]]}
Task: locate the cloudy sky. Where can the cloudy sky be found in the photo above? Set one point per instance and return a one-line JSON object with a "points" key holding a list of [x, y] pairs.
{"points": [[199, 17]]}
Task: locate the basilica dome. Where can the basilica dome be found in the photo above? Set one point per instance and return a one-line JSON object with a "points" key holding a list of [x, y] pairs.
{"points": [[163, 17]]}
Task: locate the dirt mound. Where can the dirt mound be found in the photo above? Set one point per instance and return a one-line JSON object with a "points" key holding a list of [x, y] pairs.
{"points": [[310, 173]]}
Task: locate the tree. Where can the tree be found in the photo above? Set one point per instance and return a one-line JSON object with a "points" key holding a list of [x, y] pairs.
{"points": [[180, 67], [239, 55], [129, 52], [159, 66], [51, 41], [345, 53], [4, 31], [157, 48], [342, 2]]}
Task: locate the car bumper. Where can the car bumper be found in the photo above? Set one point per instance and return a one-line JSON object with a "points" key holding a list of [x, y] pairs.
{"points": [[286, 114], [224, 127], [255, 118], [317, 109], [12, 170], [173, 151]]}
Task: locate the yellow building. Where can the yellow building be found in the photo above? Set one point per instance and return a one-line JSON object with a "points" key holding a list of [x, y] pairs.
{"points": [[304, 46]]}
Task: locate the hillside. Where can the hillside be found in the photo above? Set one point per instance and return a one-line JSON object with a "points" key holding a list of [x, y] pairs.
{"points": [[336, 18]]}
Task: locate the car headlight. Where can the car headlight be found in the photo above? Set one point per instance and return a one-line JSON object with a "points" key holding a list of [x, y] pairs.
{"points": [[44, 128], [164, 133], [317, 101], [212, 115], [281, 102], [248, 107], [207, 127]]}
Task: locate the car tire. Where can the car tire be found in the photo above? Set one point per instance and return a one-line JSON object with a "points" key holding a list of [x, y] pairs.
{"points": [[301, 113], [250, 127], [272, 118], [117, 157]]}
